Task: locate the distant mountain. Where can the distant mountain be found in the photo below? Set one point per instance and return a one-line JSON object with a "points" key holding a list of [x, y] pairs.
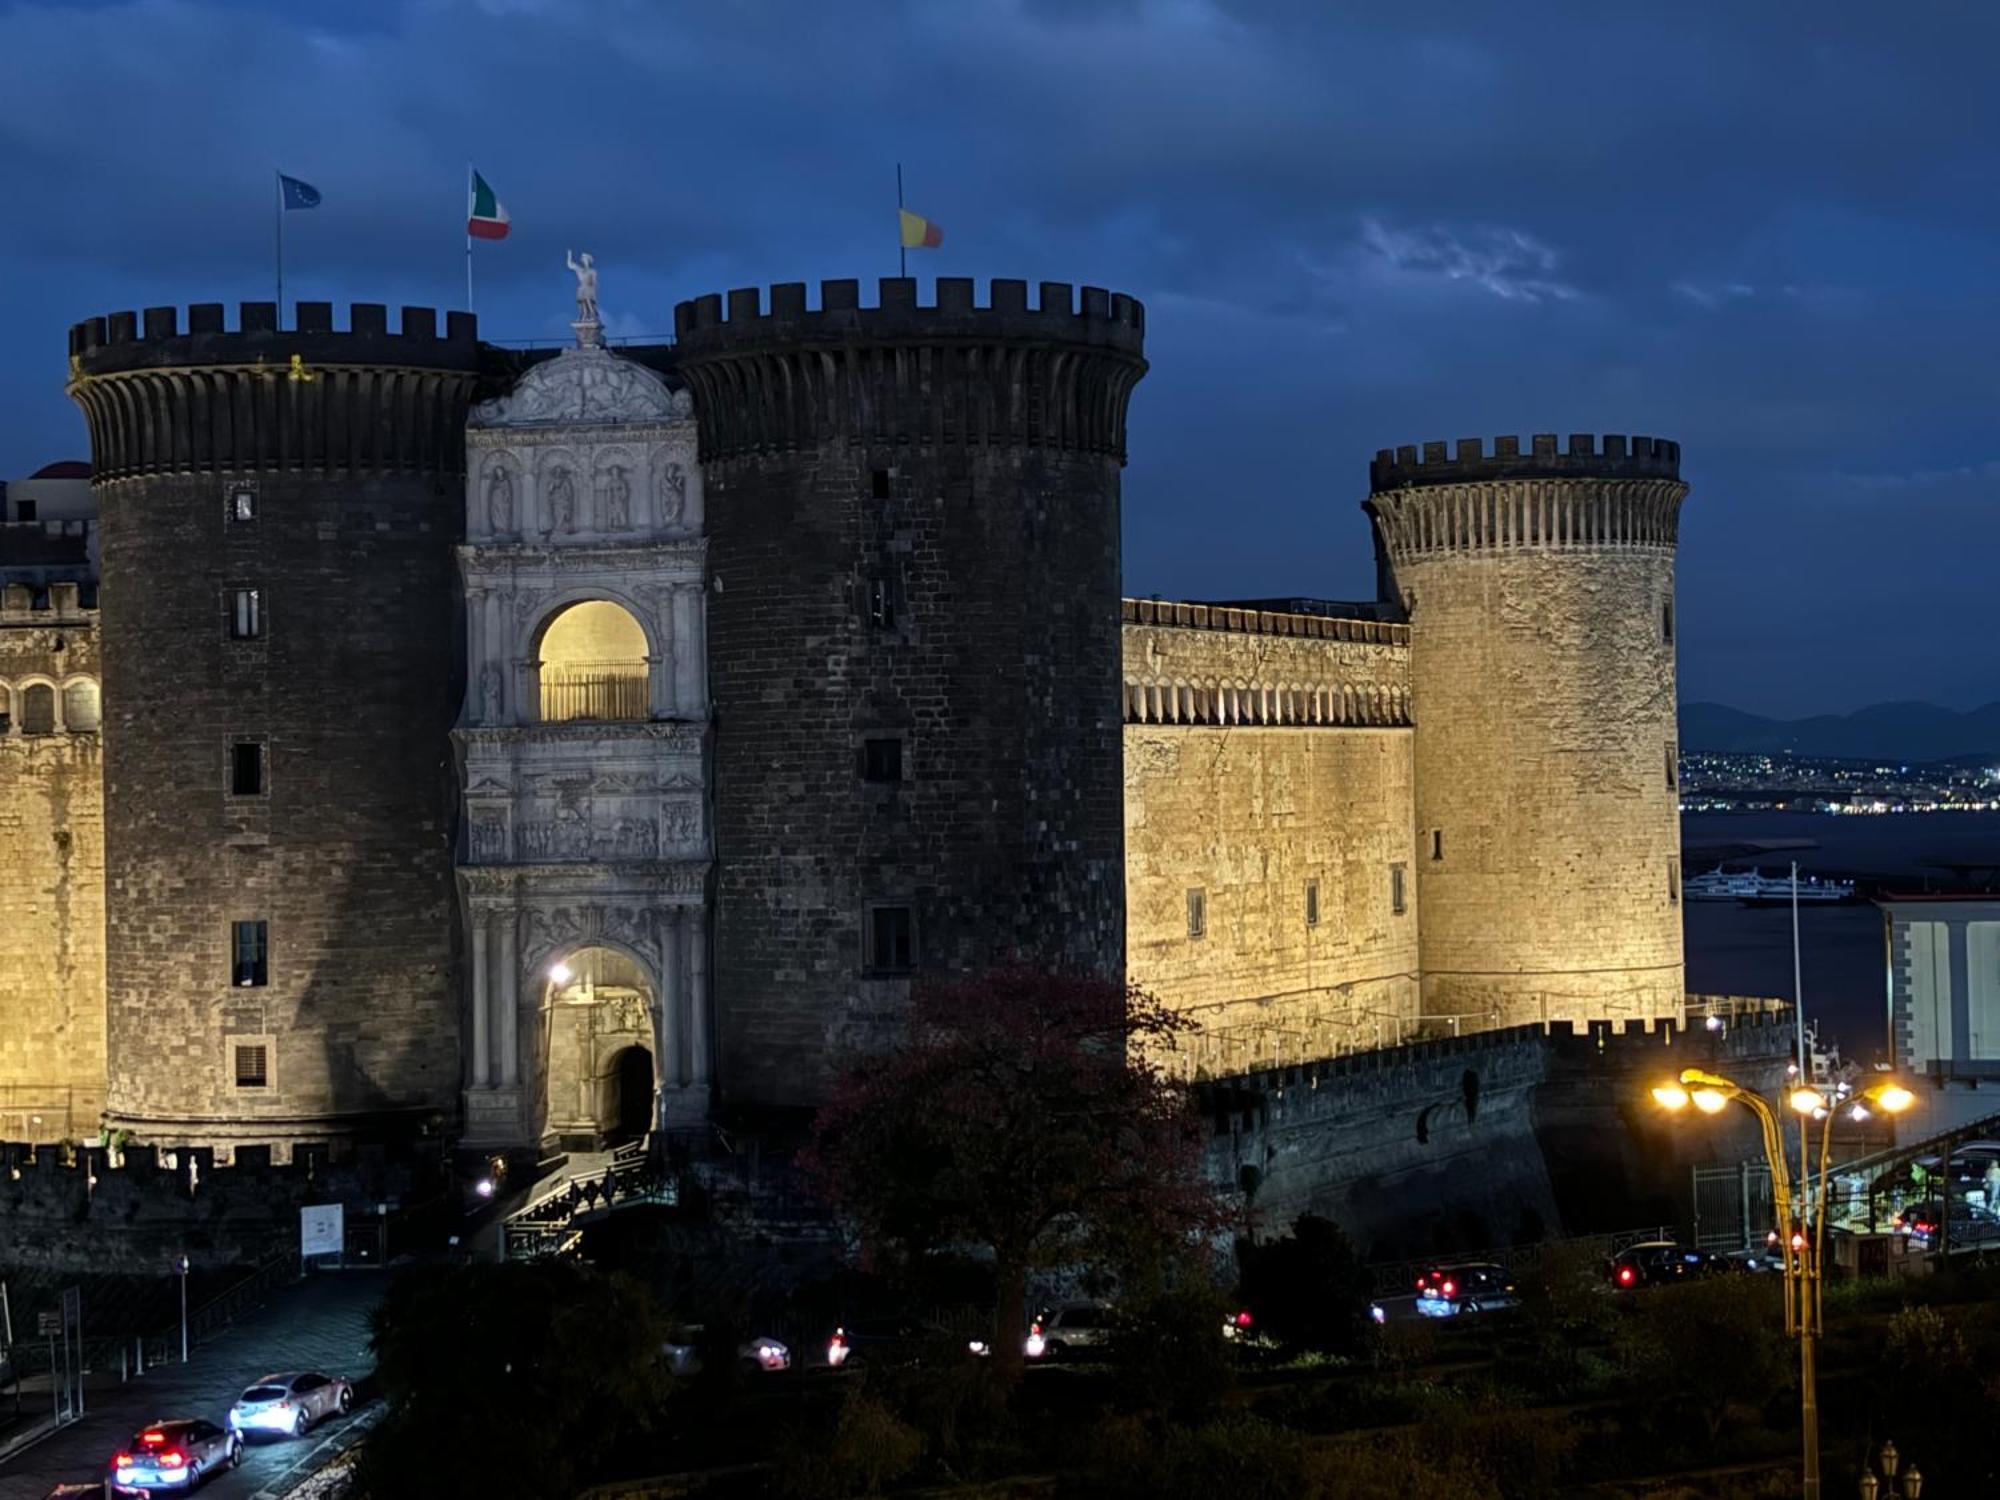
{"points": [[1910, 732]]}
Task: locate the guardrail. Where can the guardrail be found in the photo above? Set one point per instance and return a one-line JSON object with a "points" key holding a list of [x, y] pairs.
{"points": [[550, 1225], [1517, 1260]]}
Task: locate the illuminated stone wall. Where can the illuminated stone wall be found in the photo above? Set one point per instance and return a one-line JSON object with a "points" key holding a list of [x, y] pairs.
{"points": [[52, 896], [1267, 767]]}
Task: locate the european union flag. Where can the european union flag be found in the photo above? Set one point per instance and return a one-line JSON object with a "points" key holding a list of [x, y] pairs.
{"points": [[298, 194]]}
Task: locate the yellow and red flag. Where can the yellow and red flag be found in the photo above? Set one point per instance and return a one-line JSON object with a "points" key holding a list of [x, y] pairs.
{"points": [[919, 233]]}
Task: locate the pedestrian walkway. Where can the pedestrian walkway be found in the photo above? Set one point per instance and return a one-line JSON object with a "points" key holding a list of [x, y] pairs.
{"points": [[317, 1324]]}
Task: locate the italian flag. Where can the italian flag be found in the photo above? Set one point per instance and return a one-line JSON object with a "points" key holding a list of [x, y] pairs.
{"points": [[487, 219]]}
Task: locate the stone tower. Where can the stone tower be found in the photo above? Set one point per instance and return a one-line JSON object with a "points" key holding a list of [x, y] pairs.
{"points": [[913, 553], [280, 627], [1539, 588]]}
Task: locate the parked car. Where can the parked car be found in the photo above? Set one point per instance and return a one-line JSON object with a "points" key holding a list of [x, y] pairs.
{"points": [[1467, 1287], [1659, 1263], [893, 1340], [758, 1355], [289, 1404], [175, 1455], [1971, 1226], [1074, 1328]]}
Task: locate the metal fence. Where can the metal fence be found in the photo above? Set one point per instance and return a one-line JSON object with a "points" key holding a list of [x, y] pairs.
{"points": [[617, 693], [1733, 1206], [552, 1224]]}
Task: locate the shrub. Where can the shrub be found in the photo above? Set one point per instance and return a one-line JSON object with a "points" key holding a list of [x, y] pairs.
{"points": [[1710, 1346], [867, 1447], [1168, 1354], [1238, 1457], [1308, 1289]]}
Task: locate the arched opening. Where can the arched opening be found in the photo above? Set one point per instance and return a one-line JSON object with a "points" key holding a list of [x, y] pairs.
{"points": [[592, 665], [598, 1033], [630, 1107], [80, 714], [38, 709]]}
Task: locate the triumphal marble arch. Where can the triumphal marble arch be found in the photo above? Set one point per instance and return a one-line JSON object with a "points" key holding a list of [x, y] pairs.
{"points": [[582, 746]]}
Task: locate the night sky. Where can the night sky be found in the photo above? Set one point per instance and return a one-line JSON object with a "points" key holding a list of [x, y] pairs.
{"points": [[1770, 235]]}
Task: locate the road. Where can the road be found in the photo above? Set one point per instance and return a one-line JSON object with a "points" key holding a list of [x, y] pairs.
{"points": [[319, 1324]]}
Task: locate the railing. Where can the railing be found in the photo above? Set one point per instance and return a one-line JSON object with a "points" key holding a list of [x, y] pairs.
{"points": [[549, 1225], [1733, 1007], [603, 693], [1394, 1276]]}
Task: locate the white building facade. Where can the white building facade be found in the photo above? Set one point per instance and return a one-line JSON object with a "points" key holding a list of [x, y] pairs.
{"points": [[582, 750]]}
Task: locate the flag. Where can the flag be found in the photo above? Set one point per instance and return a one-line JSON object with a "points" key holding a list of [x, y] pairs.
{"points": [[298, 194], [919, 233], [487, 219]]}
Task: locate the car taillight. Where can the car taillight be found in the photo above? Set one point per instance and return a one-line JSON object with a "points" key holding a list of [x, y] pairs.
{"points": [[122, 1461], [1035, 1327], [152, 1439], [1449, 1288], [170, 1459], [1243, 1319], [1625, 1275]]}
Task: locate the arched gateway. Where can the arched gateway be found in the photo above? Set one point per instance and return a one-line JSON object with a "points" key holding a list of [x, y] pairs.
{"points": [[584, 849]]}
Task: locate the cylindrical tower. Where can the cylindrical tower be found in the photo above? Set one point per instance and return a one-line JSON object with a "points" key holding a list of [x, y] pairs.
{"points": [[913, 649], [279, 615], [1539, 587]]}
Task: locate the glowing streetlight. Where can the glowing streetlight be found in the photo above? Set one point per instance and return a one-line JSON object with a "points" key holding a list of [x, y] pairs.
{"points": [[1710, 1101], [1670, 1096], [1807, 1100], [1891, 1096], [561, 972]]}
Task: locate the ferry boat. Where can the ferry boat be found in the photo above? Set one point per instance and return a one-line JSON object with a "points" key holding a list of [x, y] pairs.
{"points": [[1753, 887]]}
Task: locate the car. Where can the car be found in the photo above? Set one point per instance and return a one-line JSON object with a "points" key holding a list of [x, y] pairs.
{"points": [[1073, 1328], [1466, 1287], [174, 1455], [1659, 1263], [289, 1404], [894, 1340], [1971, 1226], [758, 1355]]}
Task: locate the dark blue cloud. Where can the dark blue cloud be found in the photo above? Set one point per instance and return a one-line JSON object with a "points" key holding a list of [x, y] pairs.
{"points": [[1355, 226]]}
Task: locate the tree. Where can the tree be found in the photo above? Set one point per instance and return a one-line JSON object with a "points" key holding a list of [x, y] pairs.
{"points": [[510, 1380], [1308, 1289], [1022, 1113]]}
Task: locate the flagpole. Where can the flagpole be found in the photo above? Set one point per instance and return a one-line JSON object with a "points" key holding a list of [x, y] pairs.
{"points": [[902, 255], [468, 236], [278, 182]]}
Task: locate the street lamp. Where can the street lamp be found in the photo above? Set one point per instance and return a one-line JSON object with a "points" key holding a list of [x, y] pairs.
{"points": [[1802, 1220]]}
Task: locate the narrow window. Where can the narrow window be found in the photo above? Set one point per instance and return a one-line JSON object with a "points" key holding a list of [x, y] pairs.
{"points": [[253, 1067], [1674, 882], [1437, 843], [890, 946], [1673, 767], [1397, 902], [881, 605], [251, 954], [246, 614], [1312, 903], [879, 481], [24, 510], [882, 760], [1197, 907], [246, 769], [242, 505], [1667, 622]]}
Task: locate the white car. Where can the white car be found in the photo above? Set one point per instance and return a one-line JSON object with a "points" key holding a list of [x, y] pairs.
{"points": [[173, 1456], [289, 1404], [1074, 1328]]}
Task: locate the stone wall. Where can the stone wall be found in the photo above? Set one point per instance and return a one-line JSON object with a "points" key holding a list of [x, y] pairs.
{"points": [[52, 895], [1270, 772]]}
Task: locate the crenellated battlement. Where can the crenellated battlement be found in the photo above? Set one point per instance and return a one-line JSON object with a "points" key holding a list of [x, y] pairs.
{"points": [[167, 395], [781, 376], [1260, 622], [1097, 316], [1467, 462], [160, 336]]}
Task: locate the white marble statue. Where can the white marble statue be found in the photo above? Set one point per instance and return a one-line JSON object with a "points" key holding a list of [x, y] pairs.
{"points": [[562, 501], [586, 286], [618, 500]]}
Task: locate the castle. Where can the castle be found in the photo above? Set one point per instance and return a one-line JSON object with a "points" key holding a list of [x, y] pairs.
{"points": [[561, 744]]}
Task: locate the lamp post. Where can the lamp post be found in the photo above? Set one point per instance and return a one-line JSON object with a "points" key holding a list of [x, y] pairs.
{"points": [[1801, 1206]]}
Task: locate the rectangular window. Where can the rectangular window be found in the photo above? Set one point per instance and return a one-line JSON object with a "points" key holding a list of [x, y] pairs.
{"points": [[1667, 622], [891, 946], [1674, 882], [246, 614], [252, 954], [242, 505], [246, 769], [1673, 767], [1312, 903], [882, 760], [881, 604], [24, 510], [1197, 904], [1437, 843], [879, 481], [253, 1066], [1398, 902]]}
